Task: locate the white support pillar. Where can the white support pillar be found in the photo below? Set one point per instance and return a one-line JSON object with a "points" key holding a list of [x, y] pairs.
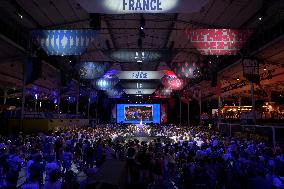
{"points": [[180, 110], [188, 122], [200, 105], [5, 95], [89, 107], [77, 97], [253, 102], [273, 136]]}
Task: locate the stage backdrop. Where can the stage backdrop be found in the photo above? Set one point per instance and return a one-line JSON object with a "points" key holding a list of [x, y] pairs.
{"points": [[135, 113]]}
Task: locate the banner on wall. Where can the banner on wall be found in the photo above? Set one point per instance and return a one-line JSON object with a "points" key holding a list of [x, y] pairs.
{"points": [[218, 41], [140, 75], [142, 6], [64, 42], [139, 91]]}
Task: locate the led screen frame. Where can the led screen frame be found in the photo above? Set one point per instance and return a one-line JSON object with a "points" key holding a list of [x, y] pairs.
{"points": [[155, 113]]}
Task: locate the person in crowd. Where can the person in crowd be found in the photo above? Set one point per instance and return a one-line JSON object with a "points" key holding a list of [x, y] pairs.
{"points": [[69, 181], [54, 180], [50, 166], [190, 157]]}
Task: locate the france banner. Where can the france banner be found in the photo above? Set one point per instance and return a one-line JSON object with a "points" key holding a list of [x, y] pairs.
{"points": [[64, 42], [142, 6]]}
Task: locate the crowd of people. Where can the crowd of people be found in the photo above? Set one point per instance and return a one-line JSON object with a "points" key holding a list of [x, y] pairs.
{"points": [[173, 156]]}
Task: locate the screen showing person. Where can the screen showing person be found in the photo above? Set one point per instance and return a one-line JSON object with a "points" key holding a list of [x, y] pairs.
{"points": [[138, 113]]}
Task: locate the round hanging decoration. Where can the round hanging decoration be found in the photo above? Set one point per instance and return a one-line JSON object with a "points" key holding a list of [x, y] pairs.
{"points": [[92, 70], [164, 92], [186, 70], [105, 83], [114, 93], [173, 83]]}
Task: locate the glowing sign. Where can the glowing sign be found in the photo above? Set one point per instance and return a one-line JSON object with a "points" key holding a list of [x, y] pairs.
{"points": [[218, 41], [142, 6], [139, 84], [140, 75], [64, 42], [139, 91]]}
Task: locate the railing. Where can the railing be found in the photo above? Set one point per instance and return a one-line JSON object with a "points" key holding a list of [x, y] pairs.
{"points": [[40, 115], [271, 133]]}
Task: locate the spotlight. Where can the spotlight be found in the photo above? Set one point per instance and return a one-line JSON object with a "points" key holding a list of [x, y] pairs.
{"points": [[142, 23], [70, 61], [19, 13], [260, 18], [238, 79], [264, 68]]}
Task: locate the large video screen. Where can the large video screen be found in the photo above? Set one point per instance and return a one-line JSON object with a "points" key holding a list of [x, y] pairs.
{"points": [[137, 113]]}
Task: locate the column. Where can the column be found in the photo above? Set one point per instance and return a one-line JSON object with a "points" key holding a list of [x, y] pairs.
{"points": [[219, 110], [89, 107], [5, 95], [179, 109], [23, 99], [253, 102], [273, 136], [97, 101], [240, 101], [58, 101], [78, 96], [200, 106], [188, 112]]}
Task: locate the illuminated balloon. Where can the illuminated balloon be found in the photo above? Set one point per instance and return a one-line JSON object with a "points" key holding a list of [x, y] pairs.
{"points": [[186, 70], [173, 83], [114, 93], [164, 93], [105, 83], [92, 70]]}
